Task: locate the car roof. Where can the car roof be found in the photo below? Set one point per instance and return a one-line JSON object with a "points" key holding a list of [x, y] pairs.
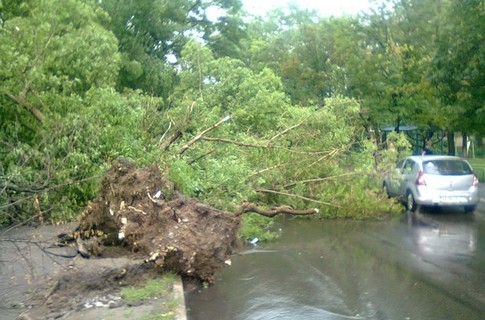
{"points": [[435, 157]]}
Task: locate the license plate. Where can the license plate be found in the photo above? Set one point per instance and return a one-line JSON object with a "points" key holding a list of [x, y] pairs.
{"points": [[446, 200]]}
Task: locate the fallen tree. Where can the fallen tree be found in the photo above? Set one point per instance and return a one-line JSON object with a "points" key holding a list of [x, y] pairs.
{"points": [[139, 212]]}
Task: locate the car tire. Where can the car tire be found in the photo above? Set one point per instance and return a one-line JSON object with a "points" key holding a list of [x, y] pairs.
{"points": [[411, 205], [470, 209], [411, 218]]}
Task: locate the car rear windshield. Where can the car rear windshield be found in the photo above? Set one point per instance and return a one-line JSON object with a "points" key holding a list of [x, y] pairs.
{"points": [[447, 167]]}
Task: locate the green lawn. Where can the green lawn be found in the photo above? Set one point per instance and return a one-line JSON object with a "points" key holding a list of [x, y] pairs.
{"points": [[478, 165]]}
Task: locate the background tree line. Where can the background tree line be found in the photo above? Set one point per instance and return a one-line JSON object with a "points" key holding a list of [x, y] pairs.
{"points": [[303, 98]]}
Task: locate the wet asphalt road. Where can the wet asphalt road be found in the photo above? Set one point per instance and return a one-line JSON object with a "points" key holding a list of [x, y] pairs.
{"points": [[429, 265]]}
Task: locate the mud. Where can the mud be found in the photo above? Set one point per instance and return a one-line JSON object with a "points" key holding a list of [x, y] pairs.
{"points": [[39, 280]]}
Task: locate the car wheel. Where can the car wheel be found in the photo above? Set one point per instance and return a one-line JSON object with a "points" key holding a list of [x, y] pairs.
{"points": [[470, 209], [411, 205], [385, 190]]}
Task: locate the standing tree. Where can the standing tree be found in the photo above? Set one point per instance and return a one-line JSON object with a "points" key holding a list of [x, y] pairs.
{"points": [[152, 34], [60, 116], [459, 67]]}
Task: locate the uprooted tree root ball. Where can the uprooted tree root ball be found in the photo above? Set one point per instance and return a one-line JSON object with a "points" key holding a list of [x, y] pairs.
{"points": [[139, 212]]}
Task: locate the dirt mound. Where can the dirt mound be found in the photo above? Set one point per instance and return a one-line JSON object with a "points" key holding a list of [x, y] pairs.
{"points": [[138, 213]]}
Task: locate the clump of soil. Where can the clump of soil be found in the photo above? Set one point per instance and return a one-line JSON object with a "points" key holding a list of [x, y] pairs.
{"points": [[139, 213]]}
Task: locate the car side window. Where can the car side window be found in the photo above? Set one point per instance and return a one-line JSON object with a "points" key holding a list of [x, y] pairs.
{"points": [[408, 166], [399, 164]]}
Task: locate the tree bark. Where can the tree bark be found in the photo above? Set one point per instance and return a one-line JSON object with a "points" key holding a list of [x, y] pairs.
{"points": [[164, 146], [464, 144], [28, 106], [450, 135], [251, 207]]}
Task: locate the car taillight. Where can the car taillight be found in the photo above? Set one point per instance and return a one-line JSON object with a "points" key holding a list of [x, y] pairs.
{"points": [[475, 181], [420, 180]]}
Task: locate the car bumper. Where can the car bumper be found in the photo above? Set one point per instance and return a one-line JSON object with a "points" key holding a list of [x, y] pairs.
{"points": [[428, 197]]}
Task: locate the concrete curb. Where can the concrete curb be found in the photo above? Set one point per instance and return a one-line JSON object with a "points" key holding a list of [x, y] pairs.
{"points": [[178, 289]]}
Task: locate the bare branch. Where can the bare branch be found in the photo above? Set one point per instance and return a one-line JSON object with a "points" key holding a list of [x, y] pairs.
{"points": [[319, 179], [37, 243], [269, 169], [237, 143], [297, 196], [251, 207], [249, 145], [15, 188], [328, 155], [283, 132], [202, 156], [200, 135], [166, 131], [12, 240]]}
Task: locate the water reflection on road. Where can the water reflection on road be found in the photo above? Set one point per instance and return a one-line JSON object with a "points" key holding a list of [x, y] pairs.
{"points": [[425, 266]]}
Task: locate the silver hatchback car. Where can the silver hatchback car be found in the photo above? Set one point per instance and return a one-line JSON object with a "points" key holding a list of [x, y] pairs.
{"points": [[433, 181]]}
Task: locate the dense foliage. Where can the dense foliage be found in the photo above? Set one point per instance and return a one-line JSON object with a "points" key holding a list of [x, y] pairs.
{"points": [[283, 109]]}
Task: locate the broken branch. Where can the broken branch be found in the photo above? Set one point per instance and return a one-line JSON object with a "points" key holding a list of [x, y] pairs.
{"points": [[173, 137], [296, 196], [319, 179], [266, 146], [200, 135], [22, 101], [29, 107], [237, 143], [251, 207], [283, 132]]}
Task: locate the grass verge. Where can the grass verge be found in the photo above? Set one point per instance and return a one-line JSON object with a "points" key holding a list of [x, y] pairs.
{"points": [[478, 165], [157, 291]]}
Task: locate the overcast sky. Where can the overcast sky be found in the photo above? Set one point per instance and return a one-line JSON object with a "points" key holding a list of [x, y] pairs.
{"points": [[324, 7]]}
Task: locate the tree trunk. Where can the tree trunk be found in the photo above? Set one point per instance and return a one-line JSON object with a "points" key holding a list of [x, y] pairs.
{"points": [[464, 144], [479, 141], [451, 142]]}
